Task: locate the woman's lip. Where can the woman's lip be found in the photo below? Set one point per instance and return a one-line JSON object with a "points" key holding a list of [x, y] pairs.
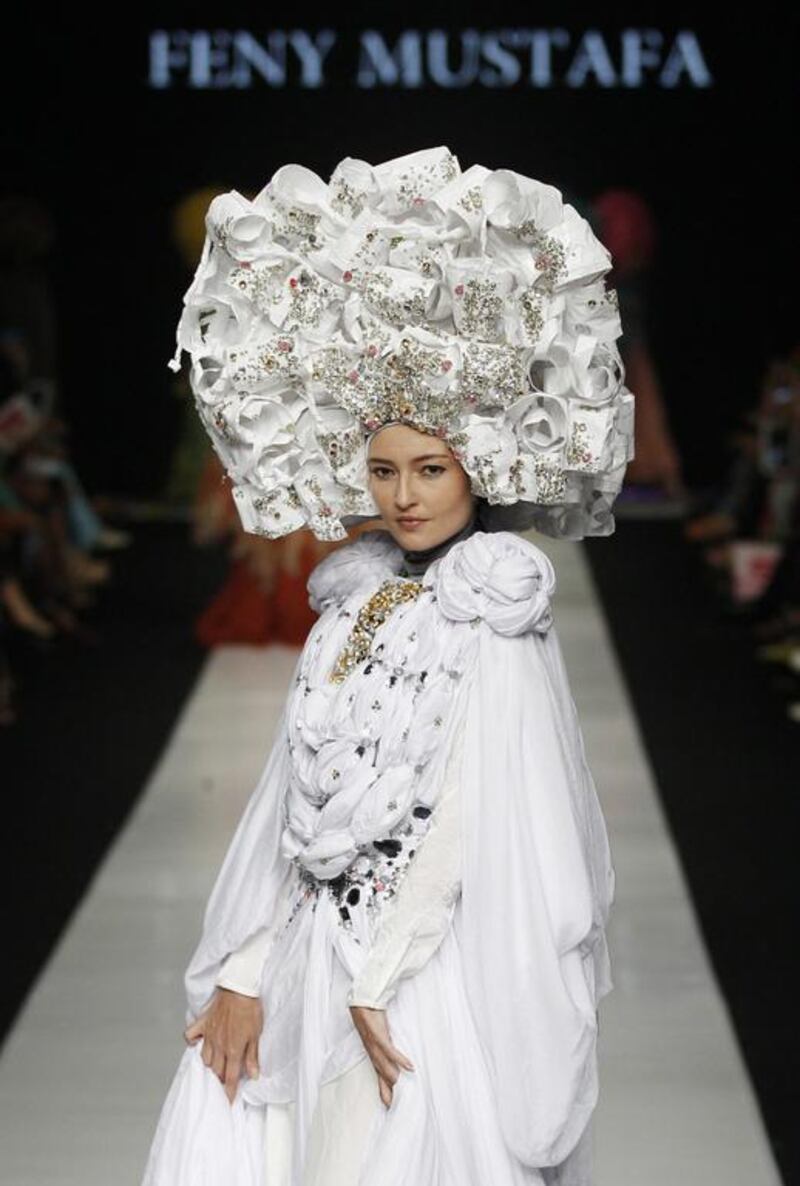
{"points": [[411, 522]]}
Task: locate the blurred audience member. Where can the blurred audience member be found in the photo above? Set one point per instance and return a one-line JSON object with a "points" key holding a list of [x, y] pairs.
{"points": [[626, 226], [750, 534], [48, 527]]}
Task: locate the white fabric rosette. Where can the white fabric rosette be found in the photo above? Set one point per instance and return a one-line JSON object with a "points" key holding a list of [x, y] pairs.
{"points": [[209, 382], [487, 450], [400, 296], [269, 424], [408, 290], [213, 321], [275, 513], [590, 309], [237, 227], [541, 423], [479, 291], [512, 200], [353, 185], [409, 181], [508, 582], [541, 427]]}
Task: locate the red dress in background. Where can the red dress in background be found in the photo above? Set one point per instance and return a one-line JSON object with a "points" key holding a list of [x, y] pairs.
{"points": [[264, 598]]}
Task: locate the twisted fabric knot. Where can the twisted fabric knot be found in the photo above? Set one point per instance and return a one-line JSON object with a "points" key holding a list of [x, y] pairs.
{"points": [[500, 577]]}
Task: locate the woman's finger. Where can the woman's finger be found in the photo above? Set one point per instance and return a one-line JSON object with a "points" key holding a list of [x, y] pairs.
{"points": [[232, 1075], [251, 1059], [401, 1058], [207, 1052], [385, 1091], [385, 1068], [194, 1031], [395, 1056], [218, 1063], [382, 1036]]}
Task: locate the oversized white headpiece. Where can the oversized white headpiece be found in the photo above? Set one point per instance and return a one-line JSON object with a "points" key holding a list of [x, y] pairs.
{"points": [[470, 305]]}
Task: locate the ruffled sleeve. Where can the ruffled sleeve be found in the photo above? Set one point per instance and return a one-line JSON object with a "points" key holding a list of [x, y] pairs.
{"points": [[537, 879], [416, 920]]}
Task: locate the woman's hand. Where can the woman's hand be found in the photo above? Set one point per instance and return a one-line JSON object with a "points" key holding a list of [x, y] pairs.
{"points": [[387, 1060], [230, 1028]]}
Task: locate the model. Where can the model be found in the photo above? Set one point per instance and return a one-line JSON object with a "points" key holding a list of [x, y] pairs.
{"points": [[402, 958]]}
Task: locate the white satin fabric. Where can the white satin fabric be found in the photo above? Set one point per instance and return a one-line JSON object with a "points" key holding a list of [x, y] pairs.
{"points": [[501, 1021]]}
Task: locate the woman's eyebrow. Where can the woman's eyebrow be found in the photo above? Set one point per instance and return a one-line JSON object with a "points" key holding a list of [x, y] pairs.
{"points": [[424, 457]]}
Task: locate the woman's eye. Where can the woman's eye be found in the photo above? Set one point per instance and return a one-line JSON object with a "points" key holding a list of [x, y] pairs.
{"points": [[438, 468], [379, 471]]}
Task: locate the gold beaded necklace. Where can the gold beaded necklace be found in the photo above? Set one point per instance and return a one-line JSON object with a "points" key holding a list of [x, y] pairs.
{"points": [[372, 614]]}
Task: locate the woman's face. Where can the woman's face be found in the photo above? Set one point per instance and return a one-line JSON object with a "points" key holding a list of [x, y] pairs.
{"points": [[422, 491]]}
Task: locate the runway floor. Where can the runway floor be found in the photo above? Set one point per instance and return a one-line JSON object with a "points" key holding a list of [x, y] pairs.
{"points": [[92, 1052]]}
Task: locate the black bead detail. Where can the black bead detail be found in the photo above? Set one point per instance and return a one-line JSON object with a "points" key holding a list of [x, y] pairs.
{"points": [[391, 847]]}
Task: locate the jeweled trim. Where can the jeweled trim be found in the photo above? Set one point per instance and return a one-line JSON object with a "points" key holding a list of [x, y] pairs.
{"points": [[372, 614]]}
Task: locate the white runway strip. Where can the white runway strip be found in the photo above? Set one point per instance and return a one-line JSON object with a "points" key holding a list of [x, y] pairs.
{"points": [[84, 1073]]}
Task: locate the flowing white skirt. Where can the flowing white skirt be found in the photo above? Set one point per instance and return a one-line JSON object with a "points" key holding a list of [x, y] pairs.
{"points": [[441, 1128], [348, 1110]]}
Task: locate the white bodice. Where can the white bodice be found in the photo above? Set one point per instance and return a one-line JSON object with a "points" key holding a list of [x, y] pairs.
{"points": [[359, 805], [361, 748], [412, 923]]}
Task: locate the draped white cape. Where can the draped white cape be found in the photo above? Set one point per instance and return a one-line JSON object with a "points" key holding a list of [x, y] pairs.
{"points": [[516, 983]]}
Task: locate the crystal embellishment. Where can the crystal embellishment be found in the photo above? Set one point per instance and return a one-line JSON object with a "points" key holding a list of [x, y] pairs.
{"points": [[372, 614], [470, 305]]}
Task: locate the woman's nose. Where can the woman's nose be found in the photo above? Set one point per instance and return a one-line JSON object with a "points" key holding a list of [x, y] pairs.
{"points": [[403, 494]]}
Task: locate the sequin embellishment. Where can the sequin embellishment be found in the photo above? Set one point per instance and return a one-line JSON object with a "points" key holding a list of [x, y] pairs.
{"points": [[374, 876], [372, 614]]}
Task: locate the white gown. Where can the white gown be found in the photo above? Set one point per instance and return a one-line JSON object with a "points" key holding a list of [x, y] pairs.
{"points": [[487, 947], [412, 926]]}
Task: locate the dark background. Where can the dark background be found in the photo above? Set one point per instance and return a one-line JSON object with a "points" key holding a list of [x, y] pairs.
{"points": [[111, 156]]}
